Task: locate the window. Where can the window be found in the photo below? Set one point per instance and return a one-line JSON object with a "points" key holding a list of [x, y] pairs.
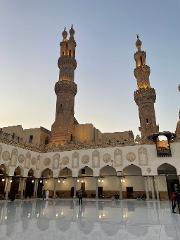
{"points": [[30, 138], [70, 53], [147, 120], [83, 171]]}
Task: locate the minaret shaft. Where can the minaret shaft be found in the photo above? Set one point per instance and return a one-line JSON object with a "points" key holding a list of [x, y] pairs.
{"points": [[65, 89], [144, 96]]}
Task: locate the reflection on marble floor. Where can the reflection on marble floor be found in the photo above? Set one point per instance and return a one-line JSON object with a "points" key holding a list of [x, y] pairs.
{"points": [[64, 219]]}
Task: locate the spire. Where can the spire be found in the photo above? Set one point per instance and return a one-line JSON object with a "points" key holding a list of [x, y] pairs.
{"points": [[138, 43], [64, 34], [71, 32], [142, 71]]}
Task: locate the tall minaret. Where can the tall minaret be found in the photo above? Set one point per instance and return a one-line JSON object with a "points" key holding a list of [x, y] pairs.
{"points": [[144, 96], [65, 89]]}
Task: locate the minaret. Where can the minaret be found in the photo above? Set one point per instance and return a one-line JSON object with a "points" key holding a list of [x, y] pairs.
{"points": [[145, 95], [65, 89]]}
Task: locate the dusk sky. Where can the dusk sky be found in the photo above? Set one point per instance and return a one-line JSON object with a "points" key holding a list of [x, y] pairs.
{"points": [[30, 32]]}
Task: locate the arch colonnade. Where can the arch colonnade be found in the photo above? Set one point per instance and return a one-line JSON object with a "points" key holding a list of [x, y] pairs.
{"points": [[128, 183]]}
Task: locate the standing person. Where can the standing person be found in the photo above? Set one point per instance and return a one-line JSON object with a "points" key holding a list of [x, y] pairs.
{"points": [[80, 197], [178, 200], [43, 194], [173, 201]]}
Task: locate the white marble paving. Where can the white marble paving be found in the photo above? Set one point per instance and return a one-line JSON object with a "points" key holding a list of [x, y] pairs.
{"points": [[64, 219]]}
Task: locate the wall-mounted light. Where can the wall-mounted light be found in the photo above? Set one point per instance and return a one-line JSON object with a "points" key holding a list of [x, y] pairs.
{"points": [[123, 180], [3, 180], [32, 181], [11, 181], [63, 181], [40, 181], [59, 180], [46, 181], [78, 180]]}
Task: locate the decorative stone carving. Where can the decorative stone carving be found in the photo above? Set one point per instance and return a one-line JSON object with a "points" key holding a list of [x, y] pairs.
{"points": [[33, 161], [28, 160], [142, 155], [118, 160], [148, 170], [107, 158], [95, 159], [130, 157], [6, 156], [85, 159], [21, 158], [38, 162], [47, 162], [14, 157], [65, 160], [56, 159], [75, 160]]}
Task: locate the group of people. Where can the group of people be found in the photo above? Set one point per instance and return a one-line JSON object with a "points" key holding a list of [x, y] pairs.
{"points": [[175, 200]]}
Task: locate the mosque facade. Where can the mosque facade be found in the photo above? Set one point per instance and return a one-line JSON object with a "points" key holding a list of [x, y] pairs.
{"points": [[73, 156]]}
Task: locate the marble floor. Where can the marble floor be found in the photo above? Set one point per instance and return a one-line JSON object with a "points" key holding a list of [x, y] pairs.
{"points": [[65, 220]]}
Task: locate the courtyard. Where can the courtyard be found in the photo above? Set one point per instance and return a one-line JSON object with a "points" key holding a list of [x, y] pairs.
{"points": [[95, 219]]}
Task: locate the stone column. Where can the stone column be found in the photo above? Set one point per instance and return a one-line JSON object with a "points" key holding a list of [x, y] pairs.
{"points": [[7, 187], [35, 187], [55, 182], [151, 185], [146, 187], [75, 186], [96, 178], [23, 186], [156, 180], [120, 189]]}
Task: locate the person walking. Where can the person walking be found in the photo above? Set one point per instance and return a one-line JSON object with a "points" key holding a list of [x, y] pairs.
{"points": [[173, 201], [80, 197]]}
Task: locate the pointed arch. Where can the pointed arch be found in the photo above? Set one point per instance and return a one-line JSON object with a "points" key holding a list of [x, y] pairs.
{"points": [[166, 168], [31, 173], [108, 171], [85, 171], [47, 173], [65, 172], [132, 170], [3, 170], [18, 172]]}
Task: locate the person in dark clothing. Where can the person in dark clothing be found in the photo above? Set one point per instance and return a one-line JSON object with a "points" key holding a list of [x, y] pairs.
{"points": [[43, 194], [80, 197], [173, 201], [178, 200]]}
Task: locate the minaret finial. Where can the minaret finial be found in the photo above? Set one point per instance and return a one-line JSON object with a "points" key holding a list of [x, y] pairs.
{"points": [[138, 43], [64, 34], [72, 32]]}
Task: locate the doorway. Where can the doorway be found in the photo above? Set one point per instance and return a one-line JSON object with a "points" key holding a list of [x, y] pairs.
{"points": [[130, 192]]}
